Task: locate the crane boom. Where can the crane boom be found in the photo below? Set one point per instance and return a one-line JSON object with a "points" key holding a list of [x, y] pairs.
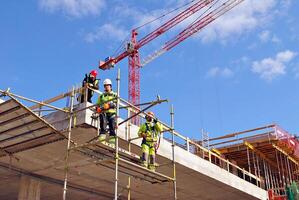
{"points": [[194, 28], [157, 32], [132, 50]]}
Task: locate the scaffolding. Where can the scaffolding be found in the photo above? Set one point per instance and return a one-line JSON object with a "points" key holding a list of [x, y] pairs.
{"points": [[114, 157], [123, 161], [269, 152]]}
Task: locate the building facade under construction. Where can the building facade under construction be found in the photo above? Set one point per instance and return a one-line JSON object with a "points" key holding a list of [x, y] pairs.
{"points": [[49, 150]]}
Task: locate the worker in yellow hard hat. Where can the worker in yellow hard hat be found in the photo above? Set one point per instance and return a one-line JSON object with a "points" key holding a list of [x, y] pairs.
{"points": [[150, 132], [106, 107]]}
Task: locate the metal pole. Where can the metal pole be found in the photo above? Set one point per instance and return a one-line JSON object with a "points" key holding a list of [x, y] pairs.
{"points": [[282, 169], [266, 175], [173, 144], [68, 144], [258, 169], [128, 137], [116, 135], [279, 173], [289, 169], [270, 175], [248, 160]]}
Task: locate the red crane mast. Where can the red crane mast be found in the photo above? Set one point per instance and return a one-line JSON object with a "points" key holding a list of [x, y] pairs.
{"points": [[132, 50]]}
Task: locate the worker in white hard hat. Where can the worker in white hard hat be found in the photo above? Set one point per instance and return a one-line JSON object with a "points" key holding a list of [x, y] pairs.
{"points": [[106, 107]]}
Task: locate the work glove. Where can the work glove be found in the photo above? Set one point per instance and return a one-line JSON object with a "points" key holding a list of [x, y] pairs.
{"points": [[155, 120], [98, 109], [112, 105], [106, 106]]}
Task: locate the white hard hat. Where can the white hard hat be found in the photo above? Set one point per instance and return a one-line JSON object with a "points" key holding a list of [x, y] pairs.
{"points": [[107, 82]]}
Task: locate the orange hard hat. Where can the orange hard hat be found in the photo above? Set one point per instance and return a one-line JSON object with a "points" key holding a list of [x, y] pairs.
{"points": [[151, 114], [94, 73]]}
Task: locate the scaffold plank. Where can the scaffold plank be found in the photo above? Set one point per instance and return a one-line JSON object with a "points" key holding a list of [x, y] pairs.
{"points": [[22, 129]]}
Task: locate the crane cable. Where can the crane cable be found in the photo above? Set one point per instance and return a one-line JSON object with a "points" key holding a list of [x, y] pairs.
{"points": [[117, 51], [153, 20]]}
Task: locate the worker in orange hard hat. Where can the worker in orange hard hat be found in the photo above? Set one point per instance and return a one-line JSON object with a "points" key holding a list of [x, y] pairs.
{"points": [[149, 131], [92, 82]]}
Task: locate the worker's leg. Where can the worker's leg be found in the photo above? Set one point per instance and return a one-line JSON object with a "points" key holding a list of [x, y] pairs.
{"points": [[89, 96], [144, 156], [152, 158], [103, 127], [112, 126]]}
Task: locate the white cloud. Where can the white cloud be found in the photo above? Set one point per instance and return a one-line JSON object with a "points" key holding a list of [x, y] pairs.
{"points": [[219, 72], [107, 31], [246, 17], [73, 8], [275, 39], [265, 36], [270, 68]]}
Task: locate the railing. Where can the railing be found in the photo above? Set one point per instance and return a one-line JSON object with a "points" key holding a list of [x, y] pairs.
{"points": [[187, 142], [207, 154]]}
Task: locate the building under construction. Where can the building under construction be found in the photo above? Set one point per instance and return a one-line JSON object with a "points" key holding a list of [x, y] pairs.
{"points": [[49, 151]]}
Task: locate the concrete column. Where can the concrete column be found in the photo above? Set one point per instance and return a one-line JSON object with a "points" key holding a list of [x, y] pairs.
{"points": [[29, 188]]}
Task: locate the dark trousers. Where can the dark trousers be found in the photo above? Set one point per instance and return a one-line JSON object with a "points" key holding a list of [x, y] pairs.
{"points": [[110, 119], [89, 96]]}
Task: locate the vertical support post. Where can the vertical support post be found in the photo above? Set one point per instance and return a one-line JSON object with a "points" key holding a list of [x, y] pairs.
{"points": [[128, 137], [282, 169], [68, 144], [266, 175], [284, 157], [271, 178], [29, 188], [85, 93], [173, 144], [248, 160], [116, 136], [289, 170], [258, 169], [278, 166], [188, 144]]}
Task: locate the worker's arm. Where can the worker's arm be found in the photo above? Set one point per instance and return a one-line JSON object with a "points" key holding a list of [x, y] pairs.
{"points": [[96, 84], [99, 102], [142, 130], [158, 127]]}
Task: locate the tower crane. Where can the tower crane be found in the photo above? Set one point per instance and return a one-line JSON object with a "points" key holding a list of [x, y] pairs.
{"points": [[213, 10]]}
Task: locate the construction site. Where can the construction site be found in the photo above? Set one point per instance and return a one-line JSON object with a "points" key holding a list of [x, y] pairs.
{"points": [[51, 149]]}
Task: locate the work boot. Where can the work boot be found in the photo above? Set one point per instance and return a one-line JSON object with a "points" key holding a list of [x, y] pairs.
{"points": [[102, 138], [152, 167], [144, 163], [112, 140]]}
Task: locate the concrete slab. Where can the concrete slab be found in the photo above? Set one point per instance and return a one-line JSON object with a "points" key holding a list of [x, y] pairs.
{"points": [[197, 178]]}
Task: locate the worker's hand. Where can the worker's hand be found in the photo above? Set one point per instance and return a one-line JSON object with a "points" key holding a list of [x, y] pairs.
{"points": [[155, 120], [98, 110], [106, 106], [143, 135], [112, 105]]}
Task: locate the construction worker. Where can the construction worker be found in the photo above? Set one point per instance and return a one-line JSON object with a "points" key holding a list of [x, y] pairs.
{"points": [[91, 81], [106, 107], [150, 132]]}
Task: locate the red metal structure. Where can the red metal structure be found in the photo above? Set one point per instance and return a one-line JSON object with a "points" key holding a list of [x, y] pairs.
{"points": [[214, 9]]}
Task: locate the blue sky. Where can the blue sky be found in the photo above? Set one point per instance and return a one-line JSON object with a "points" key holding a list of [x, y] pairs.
{"points": [[240, 72]]}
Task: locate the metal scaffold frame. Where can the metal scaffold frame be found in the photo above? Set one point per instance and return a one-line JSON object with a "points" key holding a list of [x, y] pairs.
{"points": [[117, 156], [118, 153]]}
